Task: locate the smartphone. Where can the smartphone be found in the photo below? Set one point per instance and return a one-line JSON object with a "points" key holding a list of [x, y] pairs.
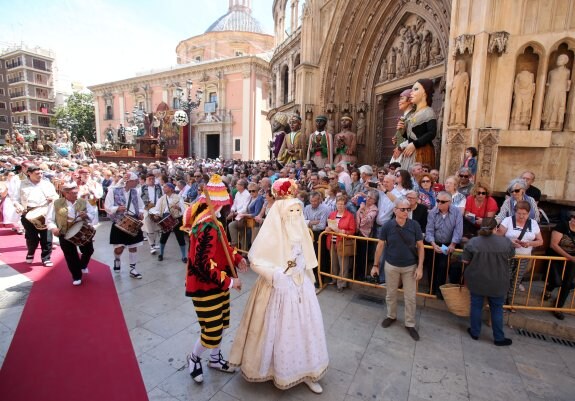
{"points": [[372, 184]]}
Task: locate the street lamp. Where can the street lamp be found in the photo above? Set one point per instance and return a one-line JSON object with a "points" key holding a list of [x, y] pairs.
{"points": [[188, 105]]}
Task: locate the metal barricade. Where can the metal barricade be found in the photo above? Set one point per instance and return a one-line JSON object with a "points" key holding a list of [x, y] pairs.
{"points": [[539, 274]]}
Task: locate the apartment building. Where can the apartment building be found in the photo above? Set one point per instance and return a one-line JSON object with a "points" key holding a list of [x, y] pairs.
{"points": [[28, 84]]}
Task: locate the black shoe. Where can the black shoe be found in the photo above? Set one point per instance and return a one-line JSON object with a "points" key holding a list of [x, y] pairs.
{"points": [[547, 296], [185, 260], [160, 258], [504, 342], [471, 335], [134, 273], [116, 265], [439, 295], [413, 333], [195, 367], [387, 322], [559, 315]]}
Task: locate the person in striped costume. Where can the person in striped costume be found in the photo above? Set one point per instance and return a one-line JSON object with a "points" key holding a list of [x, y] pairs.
{"points": [[209, 275]]}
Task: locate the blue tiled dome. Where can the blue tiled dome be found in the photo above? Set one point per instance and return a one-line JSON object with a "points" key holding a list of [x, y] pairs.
{"points": [[238, 18]]}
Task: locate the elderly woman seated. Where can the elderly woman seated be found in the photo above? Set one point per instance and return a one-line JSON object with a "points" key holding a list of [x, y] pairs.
{"points": [[516, 190]]}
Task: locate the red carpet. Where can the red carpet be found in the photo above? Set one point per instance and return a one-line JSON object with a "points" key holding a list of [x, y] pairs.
{"points": [[72, 343]]}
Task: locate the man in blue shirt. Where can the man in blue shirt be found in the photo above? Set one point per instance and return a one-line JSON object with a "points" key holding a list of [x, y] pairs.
{"points": [[403, 242]]}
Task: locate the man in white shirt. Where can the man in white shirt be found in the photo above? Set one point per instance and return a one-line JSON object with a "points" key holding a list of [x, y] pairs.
{"points": [[343, 176], [171, 204], [240, 205], [35, 194]]}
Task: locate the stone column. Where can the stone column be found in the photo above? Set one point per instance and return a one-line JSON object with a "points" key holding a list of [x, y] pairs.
{"points": [[291, 77], [488, 148], [97, 114], [457, 140]]}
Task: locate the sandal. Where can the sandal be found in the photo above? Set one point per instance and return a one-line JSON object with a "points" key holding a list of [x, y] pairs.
{"points": [[220, 364], [134, 273], [195, 368]]}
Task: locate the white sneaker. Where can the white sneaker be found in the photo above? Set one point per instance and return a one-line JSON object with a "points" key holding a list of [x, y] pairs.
{"points": [[153, 250], [76, 282], [85, 271], [315, 387]]}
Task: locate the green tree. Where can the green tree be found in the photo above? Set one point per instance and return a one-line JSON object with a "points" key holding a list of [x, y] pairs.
{"points": [[78, 117]]}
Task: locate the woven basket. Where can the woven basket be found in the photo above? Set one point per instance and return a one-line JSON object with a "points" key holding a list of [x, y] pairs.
{"points": [[457, 299]]}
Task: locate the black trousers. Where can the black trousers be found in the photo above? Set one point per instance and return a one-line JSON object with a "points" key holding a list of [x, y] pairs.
{"points": [[177, 232], [74, 261], [34, 236], [566, 284]]}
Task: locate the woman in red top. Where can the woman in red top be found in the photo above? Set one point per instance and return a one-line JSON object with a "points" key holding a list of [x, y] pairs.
{"points": [[478, 206], [345, 225]]}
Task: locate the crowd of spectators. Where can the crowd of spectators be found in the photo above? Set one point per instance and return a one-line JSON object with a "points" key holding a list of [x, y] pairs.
{"points": [[344, 198]]}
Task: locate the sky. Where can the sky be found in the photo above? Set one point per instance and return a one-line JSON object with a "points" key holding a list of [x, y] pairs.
{"points": [[99, 41]]}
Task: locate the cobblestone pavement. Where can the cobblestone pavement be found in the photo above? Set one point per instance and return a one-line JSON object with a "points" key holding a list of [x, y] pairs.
{"points": [[367, 362]]}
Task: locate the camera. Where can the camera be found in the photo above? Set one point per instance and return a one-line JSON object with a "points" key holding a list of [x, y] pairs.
{"points": [[372, 184], [372, 279]]}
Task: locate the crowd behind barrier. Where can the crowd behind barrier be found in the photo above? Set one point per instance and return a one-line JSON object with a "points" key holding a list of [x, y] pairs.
{"points": [[362, 198]]}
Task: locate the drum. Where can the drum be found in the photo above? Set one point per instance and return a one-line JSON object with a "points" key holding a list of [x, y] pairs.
{"points": [[80, 233], [37, 217], [130, 225], [168, 223]]}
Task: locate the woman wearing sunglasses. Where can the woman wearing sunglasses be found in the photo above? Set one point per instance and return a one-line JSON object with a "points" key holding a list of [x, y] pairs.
{"points": [[478, 206], [516, 190]]}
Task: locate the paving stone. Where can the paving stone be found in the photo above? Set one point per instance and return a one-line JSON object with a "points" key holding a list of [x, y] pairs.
{"points": [[486, 383], [153, 370], [158, 395], [144, 340], [169, 323]]}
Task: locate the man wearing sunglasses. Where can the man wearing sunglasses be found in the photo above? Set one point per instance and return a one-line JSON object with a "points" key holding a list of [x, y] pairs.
{"points": [[402, 239], [444, 231], [465, 185]]}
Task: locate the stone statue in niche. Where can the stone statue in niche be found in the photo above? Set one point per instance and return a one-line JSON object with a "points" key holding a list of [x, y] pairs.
{"points": [[391, 63], [558, 84], [435, 52], [425, 38], [400, 70], [523, 93], [383, 71], [458, 96], [361, 127], [406, 51], [345, 142], [414, 55]]}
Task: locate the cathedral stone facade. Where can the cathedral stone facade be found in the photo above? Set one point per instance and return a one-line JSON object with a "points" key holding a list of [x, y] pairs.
{"points": [[502, 69]]}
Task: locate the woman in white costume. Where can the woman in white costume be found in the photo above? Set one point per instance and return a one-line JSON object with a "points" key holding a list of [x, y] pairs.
{"points": [[281, 336]]}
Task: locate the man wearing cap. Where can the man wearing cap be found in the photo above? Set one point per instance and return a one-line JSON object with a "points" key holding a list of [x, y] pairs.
{"points": [[345, 142], [294, 144], [35, 193], [171, 204], [209, 276], [123, 200], [151, 194], [61, 216], [320, 144]]}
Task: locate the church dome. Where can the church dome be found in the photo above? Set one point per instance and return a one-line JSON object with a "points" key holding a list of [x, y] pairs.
{"points": [[238, 18]]}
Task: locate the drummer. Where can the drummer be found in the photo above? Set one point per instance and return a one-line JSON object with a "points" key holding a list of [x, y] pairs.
{"points": [[151, 193], [123, 200], [61, 216], [171, 204], [35, 193], [89, 190]]}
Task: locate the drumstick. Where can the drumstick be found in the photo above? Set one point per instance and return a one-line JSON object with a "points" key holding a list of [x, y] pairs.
{"points": [[224, 245]]}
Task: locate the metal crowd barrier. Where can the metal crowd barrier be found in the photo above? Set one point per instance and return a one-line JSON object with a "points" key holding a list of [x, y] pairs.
{"points": [[537, 275]]}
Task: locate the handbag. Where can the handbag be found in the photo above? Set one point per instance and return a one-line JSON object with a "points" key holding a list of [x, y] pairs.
{"points": [[345, 247]]}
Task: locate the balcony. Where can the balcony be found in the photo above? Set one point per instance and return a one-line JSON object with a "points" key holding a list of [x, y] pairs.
{"points": [[13, 65], [18, 109], [14, 80], [17, 94]]}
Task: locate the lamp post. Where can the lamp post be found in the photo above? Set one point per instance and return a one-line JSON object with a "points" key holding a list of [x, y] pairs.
{"points": [[188, 105]]}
